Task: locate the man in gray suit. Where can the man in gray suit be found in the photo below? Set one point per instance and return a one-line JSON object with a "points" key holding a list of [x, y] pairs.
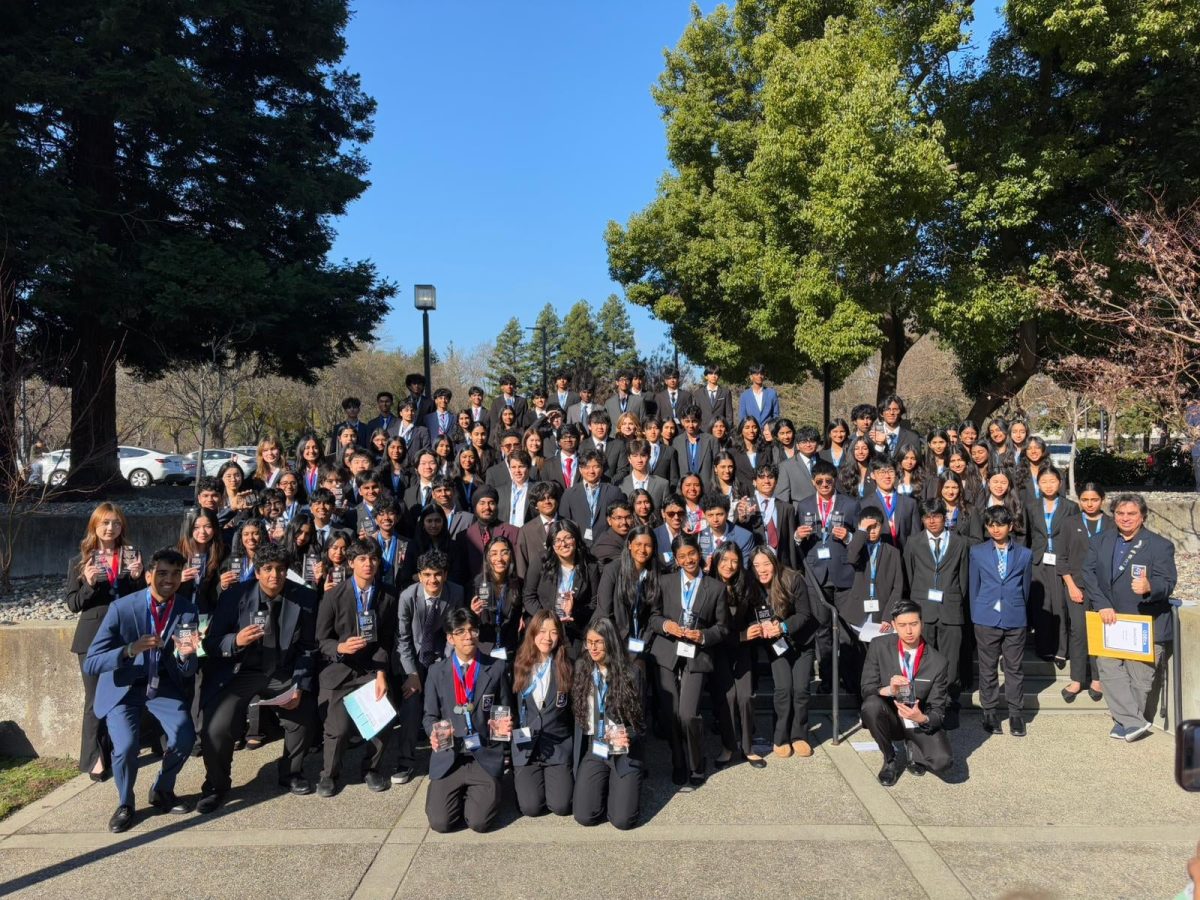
{"points": [[622, 401], [577, 413], [795, 475], [639, 476], [420, 642]]}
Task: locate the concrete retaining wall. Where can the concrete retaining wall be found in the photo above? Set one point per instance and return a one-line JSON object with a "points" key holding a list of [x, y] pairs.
{"points": [[41, 695], [46, 544], [1178, 520]]}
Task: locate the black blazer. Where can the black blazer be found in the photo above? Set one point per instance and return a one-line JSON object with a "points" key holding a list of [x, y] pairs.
{"points": [[712, 619], [889, 581], [235, 610], [510, 610], [614, 608], [620, 763], [541, 592], [705, 454], [491, 689], [574, 506], [1064, 512], [683, 399], [1077, 537], [551, 725], [969, 525], [953, 576], [520, 410], [667, 466], [91, 602], [616, 459], [337, 620], [930, 681], [785, 526], [404, 566], [801, 626], [836, 570], [1107, 588], [906, 513], [721, 408]]}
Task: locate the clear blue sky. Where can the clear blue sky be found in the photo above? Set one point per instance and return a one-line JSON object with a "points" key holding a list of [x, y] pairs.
{"points": [[507, 135]]}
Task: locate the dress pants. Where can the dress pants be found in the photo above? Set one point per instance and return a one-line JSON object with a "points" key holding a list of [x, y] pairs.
{"points": [[791, 673], [1127, 684], [541, 787], [825, 639], [225, 717], [467, 794], [409, 712], [601, 793], [338, 728], [929, 750], [93, 742], [1083, 667], [679, 703], [997, 645], [719, 684], [124, 724], [851, 655], [1046, 611], [739, 695], [947, 640]]}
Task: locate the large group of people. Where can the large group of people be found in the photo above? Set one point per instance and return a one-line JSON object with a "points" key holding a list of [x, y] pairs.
{"points": [[539, 586]]}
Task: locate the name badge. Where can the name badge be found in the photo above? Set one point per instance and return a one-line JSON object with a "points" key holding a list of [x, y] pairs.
{"points": [[684, 649], [824, 553], [935, 596], [636, 646], [667, 557], [587, 534], [780, 647], [909, 723], [600, 749], [1049, 559], [366, 626], [996, 606], [1137, 571], [870, 605], [523, 735], [472, 742], [499, 653]]}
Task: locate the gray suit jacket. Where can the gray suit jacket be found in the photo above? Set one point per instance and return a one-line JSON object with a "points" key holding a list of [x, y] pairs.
{"points": [[795, 481], [412, 612], [613, 407], [658, 487]]}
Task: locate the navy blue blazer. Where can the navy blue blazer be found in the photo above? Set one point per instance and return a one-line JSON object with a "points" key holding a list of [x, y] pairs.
{"points": [[551, 725], [1105, 588], [491, 689], [748, 408], [120, 677], [837, 570], [986, 589]]}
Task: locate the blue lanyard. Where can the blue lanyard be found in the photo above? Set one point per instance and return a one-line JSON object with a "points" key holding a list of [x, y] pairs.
{"points": [[362, 599], [601, 695], [397, 477], [1099, 525], [247, 570], [637, 603], [1049, 517], [1001, 559], [592, 495], [689, 596], [389, 550], [874, 556], [952, 519], [540, 676], [692, 450]]}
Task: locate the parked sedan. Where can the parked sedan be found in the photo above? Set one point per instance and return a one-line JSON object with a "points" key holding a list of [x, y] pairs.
{"points": [[215, 458], [139, 466]]}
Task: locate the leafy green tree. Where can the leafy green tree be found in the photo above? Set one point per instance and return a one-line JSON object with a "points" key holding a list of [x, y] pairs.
{"points": [[510, 356], [168, 170], [619, 346], [545, 339], [581, 348]]}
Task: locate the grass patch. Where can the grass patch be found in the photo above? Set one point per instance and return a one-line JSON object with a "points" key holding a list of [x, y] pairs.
{"points": [[23, 781]]}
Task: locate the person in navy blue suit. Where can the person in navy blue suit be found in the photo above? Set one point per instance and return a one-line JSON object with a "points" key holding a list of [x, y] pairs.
{"points": [[1001, 572], [758, 402], [144, 654]]}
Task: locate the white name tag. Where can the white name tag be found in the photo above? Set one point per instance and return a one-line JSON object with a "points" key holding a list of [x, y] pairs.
{"points": [[636, 646], [587, 534], [499, 653], [935, 596], [472, 742], [1049, 559], [996, 607], [667, 557], [823, 553], [780, 647], [909, 723], [684, 649], [523, 735], [870, 605], [600, 749]]}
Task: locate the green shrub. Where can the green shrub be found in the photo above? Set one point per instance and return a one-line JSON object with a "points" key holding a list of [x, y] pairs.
{"points": [[1168, 467]]}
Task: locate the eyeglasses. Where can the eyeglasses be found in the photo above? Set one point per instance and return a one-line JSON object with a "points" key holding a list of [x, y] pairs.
{"points": [[672, 513], [463, 632], [564, 541], [822, 482], [597, 644]]}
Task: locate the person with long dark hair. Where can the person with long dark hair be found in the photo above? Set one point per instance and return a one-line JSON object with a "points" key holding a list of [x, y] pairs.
{"points": [[566, 583], [735, 665], [1047, 524], [496, 599], [629, 590], [542, 740], [854, 479], [609, 755], [961, 464], [1079, 533], [837, 438]]}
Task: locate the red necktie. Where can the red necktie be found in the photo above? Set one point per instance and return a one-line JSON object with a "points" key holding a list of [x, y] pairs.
{"points": [[567, 470]]}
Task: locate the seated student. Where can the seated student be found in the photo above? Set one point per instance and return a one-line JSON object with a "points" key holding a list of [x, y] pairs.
{"points": [[897, 715], [398, 559], [618, 515], [610, 765], [1000, 577], [261, 642], [468, 757], [937, 564], [145, 662], [541, 752], [878, 586], [356, 628]]}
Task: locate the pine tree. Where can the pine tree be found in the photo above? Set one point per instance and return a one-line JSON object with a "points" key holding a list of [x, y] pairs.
{"points": [[547, 323], [580, 344], [510, 357], [616, 336]]}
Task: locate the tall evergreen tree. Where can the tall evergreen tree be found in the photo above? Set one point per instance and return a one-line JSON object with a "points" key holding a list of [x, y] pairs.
{"points": [[616, 336], [581, 347], [545, 340], [510, 356]]}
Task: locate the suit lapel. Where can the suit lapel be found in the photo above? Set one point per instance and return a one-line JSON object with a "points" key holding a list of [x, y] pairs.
{"points": [[287, 620]]}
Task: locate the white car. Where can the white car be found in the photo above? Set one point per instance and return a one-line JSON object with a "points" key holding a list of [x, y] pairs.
{"points": [[139, 466], [215, 458]]}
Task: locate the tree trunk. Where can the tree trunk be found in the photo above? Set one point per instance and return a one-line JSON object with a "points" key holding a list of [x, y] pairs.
{"points": [[891, 354], [1002, 388], [94, 415], [10, 385]]}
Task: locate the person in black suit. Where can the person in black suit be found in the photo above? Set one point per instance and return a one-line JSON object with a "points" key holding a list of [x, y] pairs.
{"points": [[542, 742], [261, 643], [690, 623], [1047, 519], [468, 742], [509, 397], [563, 466], [414, 382], [1131, 570], [356, 628], [585, 503], [694, 449], [562, 393], [904, 697], [565, 584], [609, 748], [1079, 533], [712, 400], [386, 420], [878, 586], [478, 412], [409, 427], [937, 564], [902, 515], [107, 567], [671, 401], [772, 520], [496, 599], [619, 517], [663, 461], [398, 555], [893, 434], [611, 448], [362, 432]]}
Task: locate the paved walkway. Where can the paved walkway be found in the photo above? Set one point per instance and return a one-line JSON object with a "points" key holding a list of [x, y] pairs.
{"points": [[1066, 812]]}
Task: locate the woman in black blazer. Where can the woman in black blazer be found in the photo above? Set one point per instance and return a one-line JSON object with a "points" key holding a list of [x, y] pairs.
{"points": [[734, 663], [309, 455], [497, 602], [565, 584], [689, 625], [749, 449], [608, 742], [1079, 531], [726, 480], [782, 620], [1047, 519], [392, 471], [106, 568], [961, 518], [543, 737]]}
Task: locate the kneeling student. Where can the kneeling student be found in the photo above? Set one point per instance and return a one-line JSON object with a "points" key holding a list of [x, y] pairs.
{"points": [[144, 655], [904, 691], [463, 695], [542, 744]]}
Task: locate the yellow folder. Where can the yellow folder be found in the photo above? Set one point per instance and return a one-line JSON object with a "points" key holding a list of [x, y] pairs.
{"points": [[1131, 637]]}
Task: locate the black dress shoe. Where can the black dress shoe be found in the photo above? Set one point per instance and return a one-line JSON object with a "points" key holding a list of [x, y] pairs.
{"points": [[377, 781], [168, 802], [296, 784], [756, 762], [403, 775], [916, 769], [697, 780], [890, 773], [1069, 695], [1060, 662], [679, 777], [121, 819], [326, 787], [1016, 726], [990, 723], [1095, 695], [210, 802]]}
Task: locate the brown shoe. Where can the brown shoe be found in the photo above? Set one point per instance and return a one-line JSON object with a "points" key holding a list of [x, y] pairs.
{"points": [[802, 748], [783, 751]]}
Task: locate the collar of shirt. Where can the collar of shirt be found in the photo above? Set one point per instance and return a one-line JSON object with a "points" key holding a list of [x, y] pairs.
{"points": [[944, 537]]}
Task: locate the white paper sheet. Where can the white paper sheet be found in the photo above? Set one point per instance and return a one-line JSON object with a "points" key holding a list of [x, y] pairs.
{"points": [[369, 715], [1127, 637]]}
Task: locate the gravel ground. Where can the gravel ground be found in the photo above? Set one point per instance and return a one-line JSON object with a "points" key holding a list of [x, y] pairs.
{"points": [[35, 600], [154, 500]]}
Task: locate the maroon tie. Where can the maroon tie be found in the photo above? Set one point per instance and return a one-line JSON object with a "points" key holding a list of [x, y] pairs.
{"points": [[567, 471]]}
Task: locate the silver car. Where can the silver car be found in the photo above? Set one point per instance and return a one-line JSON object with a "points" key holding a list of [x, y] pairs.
{"points": [[217, 457]]}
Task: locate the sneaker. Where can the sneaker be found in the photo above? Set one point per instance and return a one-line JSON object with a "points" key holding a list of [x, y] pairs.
{"points": [[403, 775], [1118, 731], [1136, 734]]}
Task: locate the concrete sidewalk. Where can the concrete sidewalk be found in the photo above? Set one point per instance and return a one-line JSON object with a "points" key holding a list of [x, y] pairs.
{"points": [[1065, 812]]}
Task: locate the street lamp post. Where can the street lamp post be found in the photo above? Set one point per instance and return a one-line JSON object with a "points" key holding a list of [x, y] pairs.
{"points": [[425, 299]]}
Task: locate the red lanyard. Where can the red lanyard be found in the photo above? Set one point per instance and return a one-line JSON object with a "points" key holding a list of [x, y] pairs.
{"points": [[910, 675], [824, 511], [464, 687], [114, 568], [161, 615]]}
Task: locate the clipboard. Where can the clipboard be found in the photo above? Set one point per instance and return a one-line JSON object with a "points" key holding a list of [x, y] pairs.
{"points": [[1131, 637]]}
